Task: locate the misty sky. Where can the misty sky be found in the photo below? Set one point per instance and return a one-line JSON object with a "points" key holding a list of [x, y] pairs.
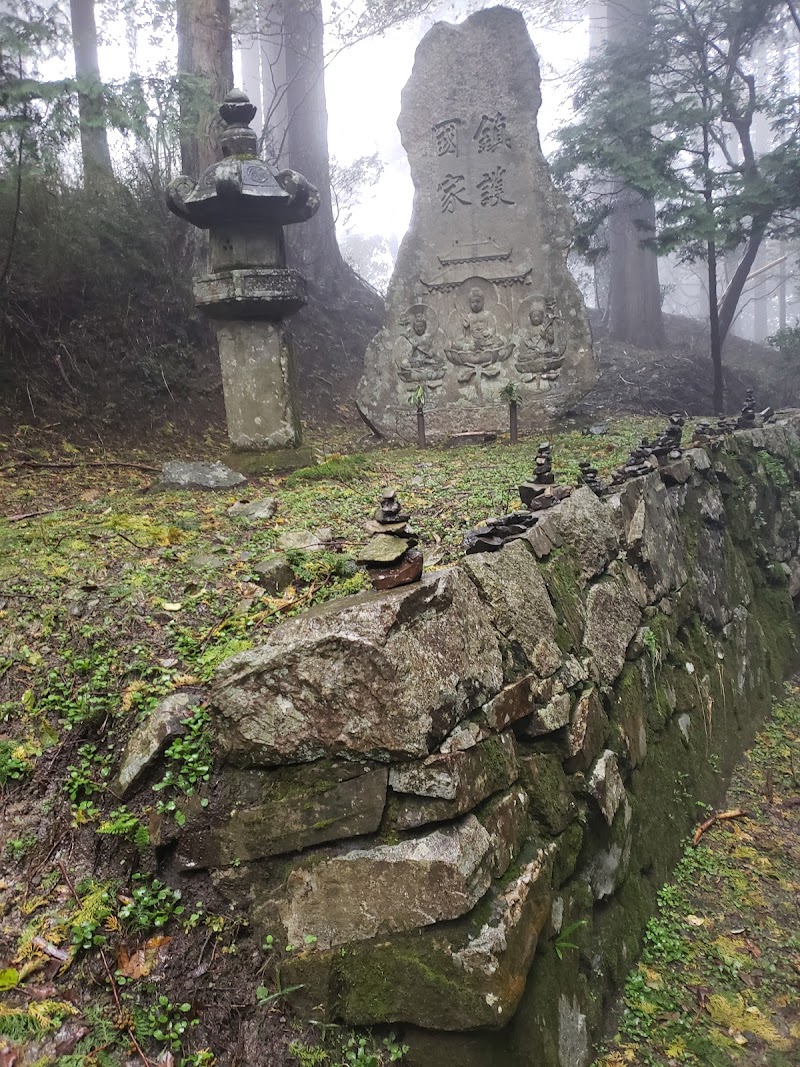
{"points": [[364, 85]]}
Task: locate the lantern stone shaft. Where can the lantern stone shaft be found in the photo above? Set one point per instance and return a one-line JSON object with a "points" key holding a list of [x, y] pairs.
{"points": [[249, 290]]}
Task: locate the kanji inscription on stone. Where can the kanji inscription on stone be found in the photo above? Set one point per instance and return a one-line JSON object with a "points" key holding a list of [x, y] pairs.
{"points": [[492, 187], [491, 133], [446, 137], [481, 298], [452, 189]]}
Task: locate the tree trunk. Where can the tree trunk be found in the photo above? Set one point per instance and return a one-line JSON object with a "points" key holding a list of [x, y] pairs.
{"points": [[730, 299], [344, 312], [94, 139], [205, 68], [634, 298], [314, 248], [718, 398]]}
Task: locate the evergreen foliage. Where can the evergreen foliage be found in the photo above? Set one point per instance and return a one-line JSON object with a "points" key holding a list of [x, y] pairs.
{"points": [[673, 117]]}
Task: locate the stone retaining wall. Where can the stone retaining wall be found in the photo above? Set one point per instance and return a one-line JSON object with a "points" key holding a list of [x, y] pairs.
{"points": [[422, 789]]}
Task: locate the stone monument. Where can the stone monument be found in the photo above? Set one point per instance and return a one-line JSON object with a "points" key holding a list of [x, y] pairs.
{"points": [[481, 295], [249, 290]]}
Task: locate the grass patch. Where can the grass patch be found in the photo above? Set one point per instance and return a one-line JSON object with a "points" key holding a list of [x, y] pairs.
{"points": [[336, 469], [717, 981]]}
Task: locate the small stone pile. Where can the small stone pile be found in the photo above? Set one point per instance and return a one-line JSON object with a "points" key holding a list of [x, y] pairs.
{"points": [[704, 433], [747, 419], [537, 494], [640, 461], [391, 556], [541, 492], [667, 446], [589, 477], [707, 434], [496, 532]]}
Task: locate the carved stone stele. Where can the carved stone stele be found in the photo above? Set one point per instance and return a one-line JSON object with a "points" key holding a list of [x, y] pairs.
{"points": [[481, 295]]}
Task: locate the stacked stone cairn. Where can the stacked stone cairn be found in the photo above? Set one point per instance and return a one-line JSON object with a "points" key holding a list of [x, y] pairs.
{"points": [[667, 446], [747, 419], [640, 461], [706, 434], [498, 531], [391, 556], [589, 477], [537, 494], [541, 492]]}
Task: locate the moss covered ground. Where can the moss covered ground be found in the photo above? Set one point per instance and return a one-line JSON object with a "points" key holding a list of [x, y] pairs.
{"points": [[110, 598], [718, 984]]}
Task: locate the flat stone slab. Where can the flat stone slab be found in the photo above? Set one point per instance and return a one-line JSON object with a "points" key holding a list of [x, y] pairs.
{"points": [[371, 892], [444, 787], [254, 509], [379, 675], [519, 604], [605, 785], [587, 731], [186, 474], [587, 525], [149, 740], [259, 813], [472, 978], [406, 571], [506, 819], [612, 619], [305, 540], [470, 437], [650, 524], [518, 700], [547, 719], [383, 548]]}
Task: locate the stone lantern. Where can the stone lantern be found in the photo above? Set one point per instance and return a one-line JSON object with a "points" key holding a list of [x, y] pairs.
{"points": [[249, 290]]}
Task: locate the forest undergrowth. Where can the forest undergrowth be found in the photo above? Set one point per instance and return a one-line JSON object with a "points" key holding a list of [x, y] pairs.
{"points": [[113, 597], [718, 984]]}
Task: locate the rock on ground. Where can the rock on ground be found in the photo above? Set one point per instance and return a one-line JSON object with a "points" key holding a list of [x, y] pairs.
{"points": [[183, 474]]}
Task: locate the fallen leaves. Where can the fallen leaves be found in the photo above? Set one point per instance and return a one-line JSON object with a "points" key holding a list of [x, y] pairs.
{"points": [[140, 962], [731, 1011]]}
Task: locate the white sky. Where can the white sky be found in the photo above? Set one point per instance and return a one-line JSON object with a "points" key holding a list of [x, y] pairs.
{"points": [[363, 87]]}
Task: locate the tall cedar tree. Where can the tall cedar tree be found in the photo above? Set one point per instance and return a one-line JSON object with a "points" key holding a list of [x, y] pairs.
{"points": [[634, 296], [688, 143], [94, 139], [205, 69]]}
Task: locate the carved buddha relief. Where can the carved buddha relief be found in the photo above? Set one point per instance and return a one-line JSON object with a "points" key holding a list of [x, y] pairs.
{"points": [[419, 348], [540, 356], [479, 330]]}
